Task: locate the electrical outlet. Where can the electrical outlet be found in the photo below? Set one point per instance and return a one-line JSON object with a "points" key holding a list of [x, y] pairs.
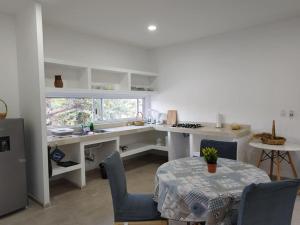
{"points": [[283, 113], [291, 114]]}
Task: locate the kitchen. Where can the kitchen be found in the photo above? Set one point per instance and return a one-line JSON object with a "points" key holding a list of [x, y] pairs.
{"points": [[89, 80]]}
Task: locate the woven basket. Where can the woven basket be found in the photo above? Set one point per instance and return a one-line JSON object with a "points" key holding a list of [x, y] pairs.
{"points": [[270, 139], [273, 141], [3, 114], [139, 122]]}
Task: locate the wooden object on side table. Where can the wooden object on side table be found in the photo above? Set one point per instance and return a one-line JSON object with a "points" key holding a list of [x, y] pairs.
{"points": [[270, 139]]}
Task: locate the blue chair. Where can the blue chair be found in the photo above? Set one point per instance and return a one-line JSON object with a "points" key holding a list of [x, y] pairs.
{"points": [[268, 204], [225, 149], [129, 208]]}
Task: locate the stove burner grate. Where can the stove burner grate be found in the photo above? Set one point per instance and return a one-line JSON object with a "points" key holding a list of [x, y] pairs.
{"points": [[188, 125]]}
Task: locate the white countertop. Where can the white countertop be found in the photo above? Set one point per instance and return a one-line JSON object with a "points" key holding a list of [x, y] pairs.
{"points": [[111, 132], [207, 130]]}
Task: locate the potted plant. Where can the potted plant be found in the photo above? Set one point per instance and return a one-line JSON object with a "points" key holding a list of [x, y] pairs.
{"points": [[211, 156]]}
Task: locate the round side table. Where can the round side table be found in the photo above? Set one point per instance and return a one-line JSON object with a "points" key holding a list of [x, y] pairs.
{"points": [[277, 154]]}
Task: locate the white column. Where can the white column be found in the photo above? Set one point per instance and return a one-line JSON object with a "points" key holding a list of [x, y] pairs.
{"points": [[30, 50]]}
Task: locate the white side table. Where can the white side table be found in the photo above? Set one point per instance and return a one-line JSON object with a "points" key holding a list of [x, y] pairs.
{"points": [[277, 154]]}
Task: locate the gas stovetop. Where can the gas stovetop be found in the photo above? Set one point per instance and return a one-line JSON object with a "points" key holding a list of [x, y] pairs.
{"points": [[188, 125]]}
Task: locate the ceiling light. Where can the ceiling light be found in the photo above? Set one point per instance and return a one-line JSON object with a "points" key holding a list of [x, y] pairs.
{"points": [[152, 28]]}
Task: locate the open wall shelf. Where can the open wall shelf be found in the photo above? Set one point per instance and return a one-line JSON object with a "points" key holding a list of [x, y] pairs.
{"points": [[94, 80], [143, 82], [73, 76], [109, 80]]}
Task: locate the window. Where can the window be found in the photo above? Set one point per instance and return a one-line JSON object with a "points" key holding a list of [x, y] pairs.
{"points": [[114, 109], [77, 111]]}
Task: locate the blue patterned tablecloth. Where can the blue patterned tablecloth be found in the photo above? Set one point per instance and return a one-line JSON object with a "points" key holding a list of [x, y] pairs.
{"points": [[185, 191]]}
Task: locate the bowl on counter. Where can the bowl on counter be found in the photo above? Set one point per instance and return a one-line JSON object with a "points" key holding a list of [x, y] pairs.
{"points": [[61, 131]]}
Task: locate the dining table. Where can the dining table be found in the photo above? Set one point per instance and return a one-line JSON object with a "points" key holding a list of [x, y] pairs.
{"points": [[186, 191]]}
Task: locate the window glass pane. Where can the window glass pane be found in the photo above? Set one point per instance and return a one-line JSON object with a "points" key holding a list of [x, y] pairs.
{"points": [[97, 113], [69, 111], [114, 109], [141, 105], [82, 111]]}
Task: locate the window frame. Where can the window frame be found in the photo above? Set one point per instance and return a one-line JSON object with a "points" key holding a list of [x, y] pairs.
{"points": [[119, 120], [146, 105]]}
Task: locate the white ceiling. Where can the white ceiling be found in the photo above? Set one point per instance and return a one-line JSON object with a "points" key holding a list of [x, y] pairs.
{"points": [[177, 20]]}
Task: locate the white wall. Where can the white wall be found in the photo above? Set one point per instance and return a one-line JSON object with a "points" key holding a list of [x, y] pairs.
{"points": [[9, 91], [248, 75], [64, 44], [32, 99]]}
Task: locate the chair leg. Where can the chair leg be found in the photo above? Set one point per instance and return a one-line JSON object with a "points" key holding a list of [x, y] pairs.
{"points": [[152, 222], [195, 223]]}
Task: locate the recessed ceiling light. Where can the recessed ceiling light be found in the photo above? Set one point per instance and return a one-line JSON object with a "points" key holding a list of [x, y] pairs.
{"points": [[152, 27]]}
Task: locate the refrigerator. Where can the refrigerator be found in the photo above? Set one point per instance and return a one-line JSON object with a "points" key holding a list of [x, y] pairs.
{"points": [[13, 193]]}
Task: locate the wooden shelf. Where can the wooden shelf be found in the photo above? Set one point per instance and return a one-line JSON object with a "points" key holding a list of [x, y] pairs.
{"points": [[136, 148], [57, 170]]}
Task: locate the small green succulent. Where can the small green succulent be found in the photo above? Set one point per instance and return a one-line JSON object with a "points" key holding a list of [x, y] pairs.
{"points": [[210, 155]]}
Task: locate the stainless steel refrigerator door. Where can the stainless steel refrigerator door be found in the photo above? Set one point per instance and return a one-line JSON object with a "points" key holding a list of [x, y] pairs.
{"points": [[13, 190]]}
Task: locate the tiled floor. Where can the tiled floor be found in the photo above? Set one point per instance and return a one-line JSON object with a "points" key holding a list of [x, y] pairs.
{"points": [[92, 205]]}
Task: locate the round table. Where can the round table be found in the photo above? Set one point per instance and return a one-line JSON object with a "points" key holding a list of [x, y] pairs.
{"points": [[277, 154], [185, 191]]}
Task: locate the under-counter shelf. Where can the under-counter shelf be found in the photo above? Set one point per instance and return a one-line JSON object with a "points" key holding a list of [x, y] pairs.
{"points": [[57, 170], [136, 148], [142, 142]]}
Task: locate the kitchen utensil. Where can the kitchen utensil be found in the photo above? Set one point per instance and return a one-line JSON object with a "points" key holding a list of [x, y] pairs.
{"points": [[172, 117], [235, 126], [139, 122], [62, 131], [219, 120]]}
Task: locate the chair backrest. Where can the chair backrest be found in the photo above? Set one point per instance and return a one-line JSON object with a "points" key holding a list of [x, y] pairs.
{"points": [[116, 175], [269, 203], [225, 149]]}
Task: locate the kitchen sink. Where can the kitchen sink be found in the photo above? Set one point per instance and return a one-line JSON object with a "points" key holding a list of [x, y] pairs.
{"points": [[98, 131]]}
